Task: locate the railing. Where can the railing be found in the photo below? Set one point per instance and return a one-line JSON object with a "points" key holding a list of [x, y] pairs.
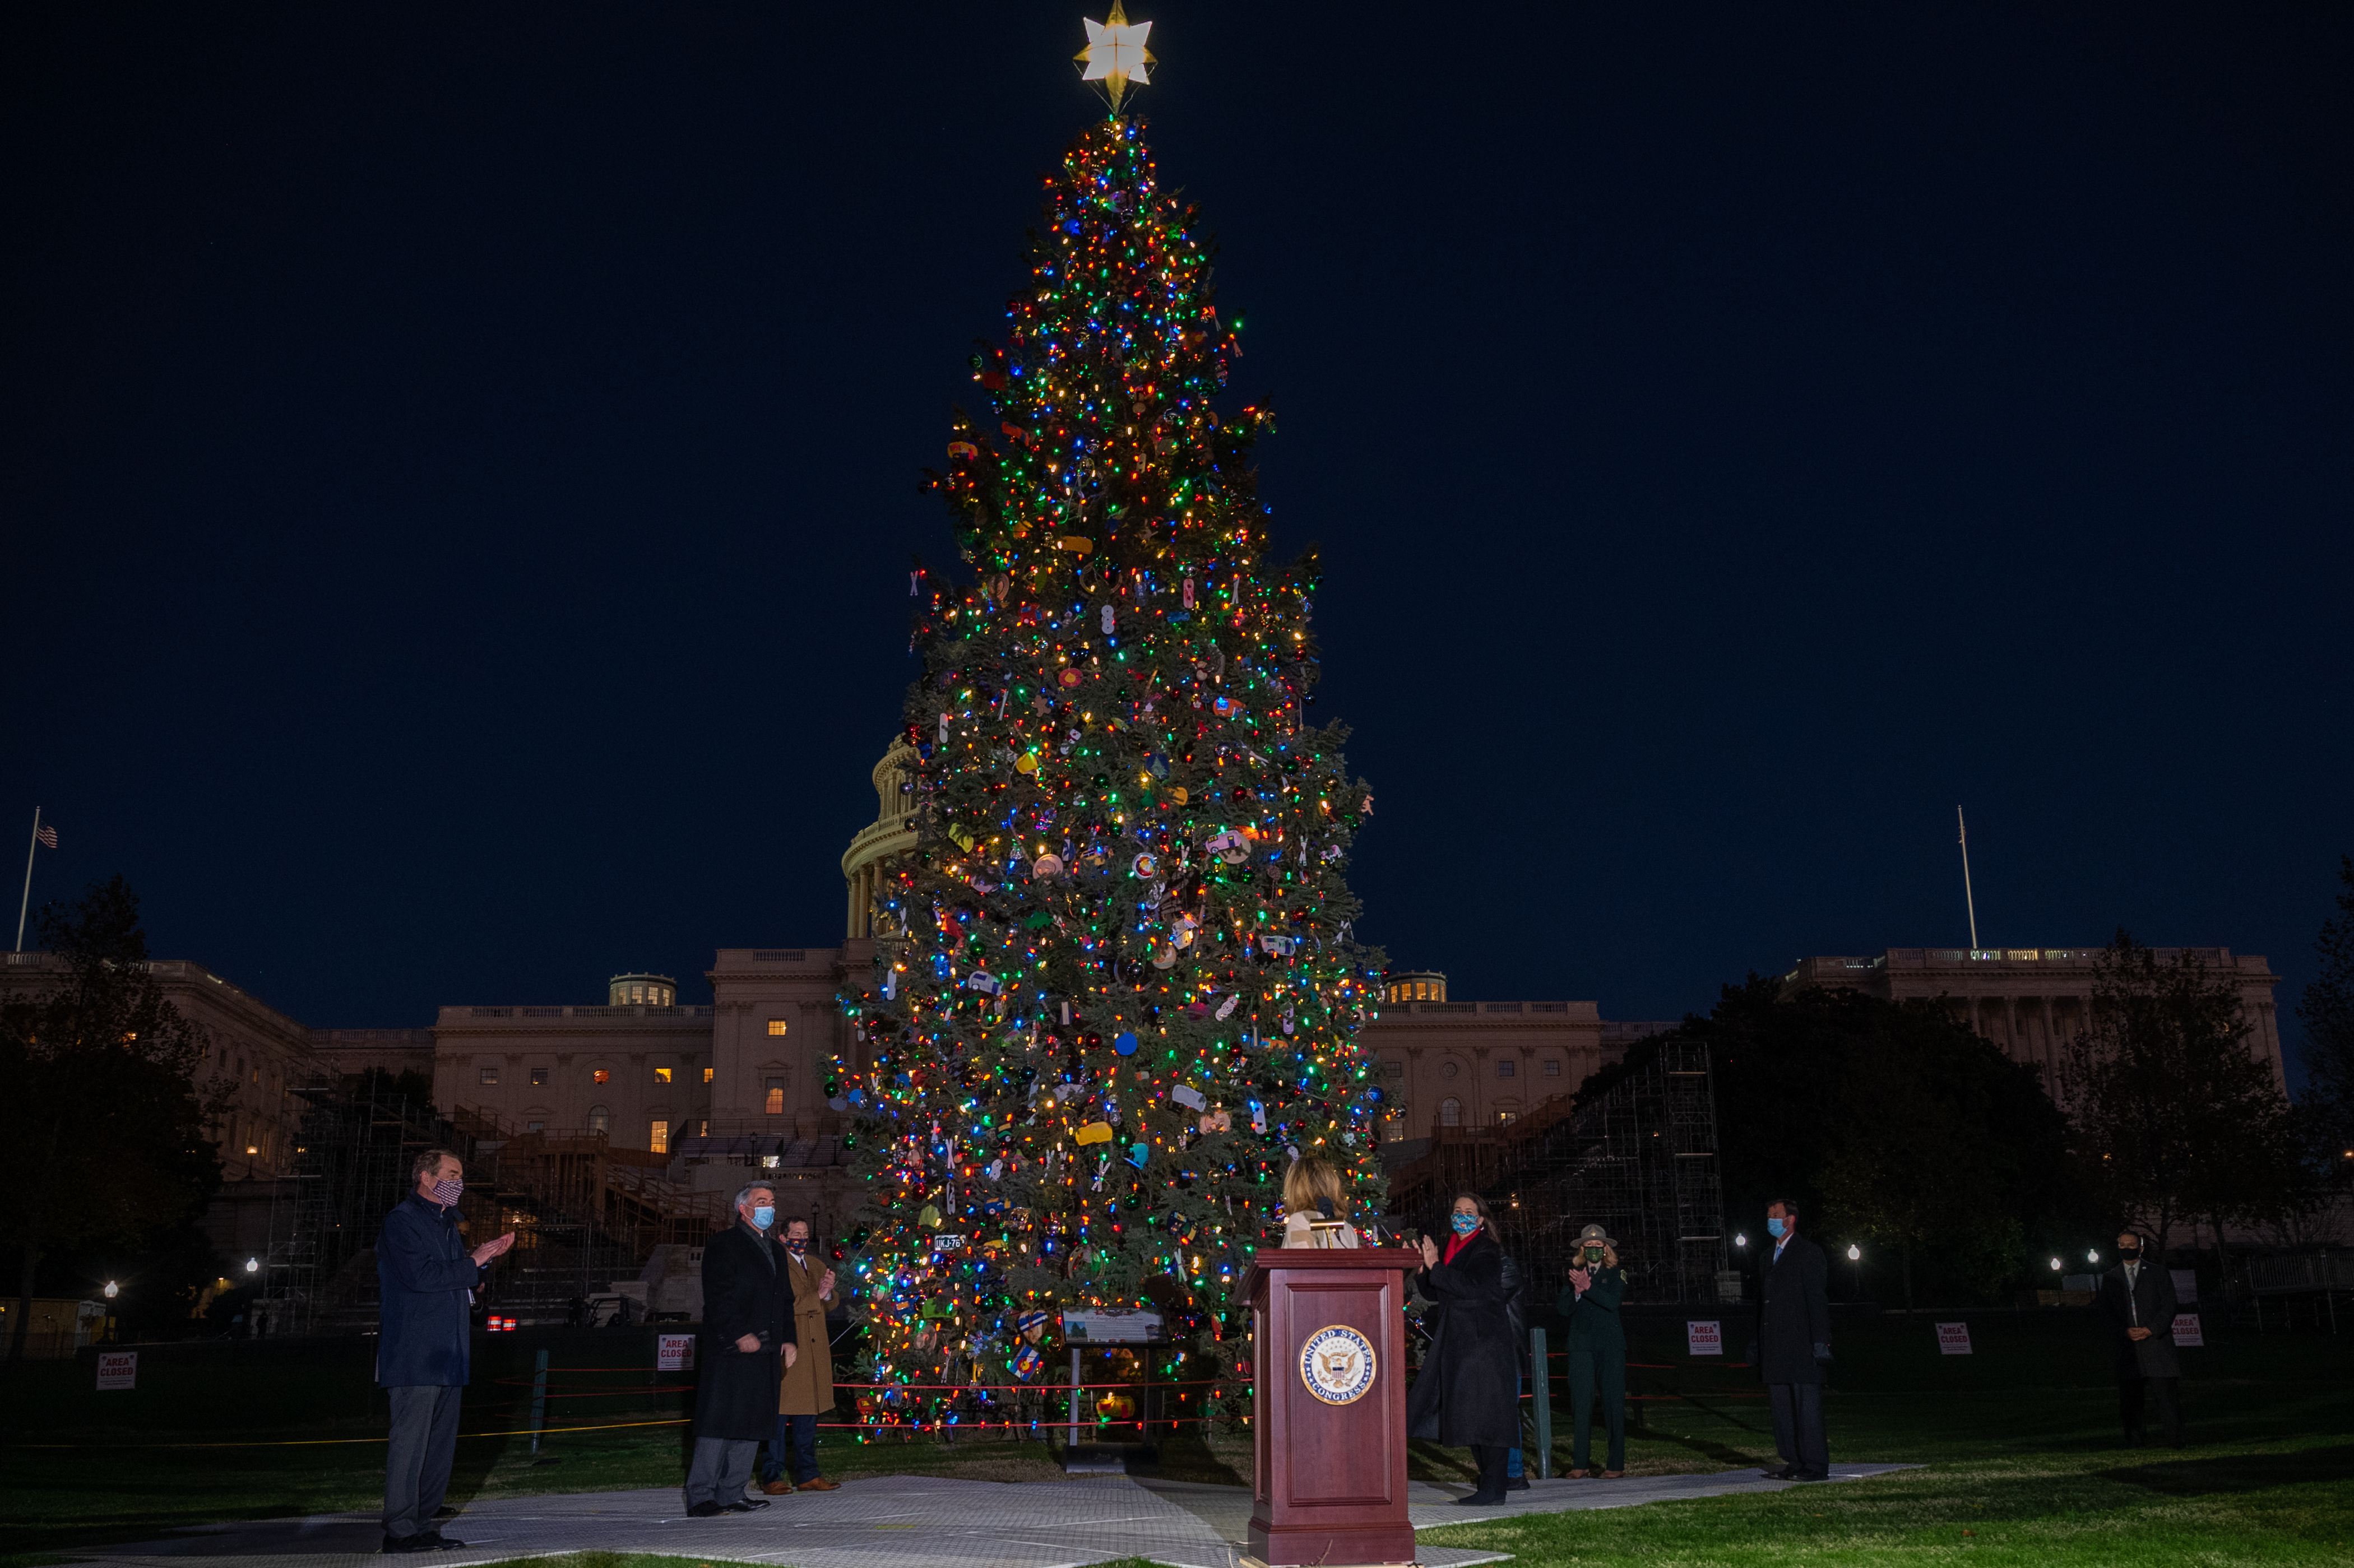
{"points": [[626, 1009], [2281, 1276]]}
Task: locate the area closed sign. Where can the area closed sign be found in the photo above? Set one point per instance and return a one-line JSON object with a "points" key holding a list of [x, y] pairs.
{"points": [[675, 1352], [1705, 1338], [1953, 1338], [117, 1368], [2186, 1331]]}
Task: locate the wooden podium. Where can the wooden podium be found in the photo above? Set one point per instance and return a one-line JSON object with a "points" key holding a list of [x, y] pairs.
{"points": [[1328, 1483]]}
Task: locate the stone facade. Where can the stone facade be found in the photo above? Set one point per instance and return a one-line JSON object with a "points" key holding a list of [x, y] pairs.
{"points": [[2032, 1001]]}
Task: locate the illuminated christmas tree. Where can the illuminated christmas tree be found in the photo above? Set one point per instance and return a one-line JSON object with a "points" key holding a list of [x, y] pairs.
{"points": [[1114, 989]]}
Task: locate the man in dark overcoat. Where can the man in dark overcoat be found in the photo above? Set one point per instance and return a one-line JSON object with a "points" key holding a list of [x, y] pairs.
{"points": [[747, 1319], [1468, 1391], [2139, 1297], [1794, 1345], [423, 1353]]}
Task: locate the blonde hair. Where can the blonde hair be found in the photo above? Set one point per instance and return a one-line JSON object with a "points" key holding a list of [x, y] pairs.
{"points": [[1309, 1179]]}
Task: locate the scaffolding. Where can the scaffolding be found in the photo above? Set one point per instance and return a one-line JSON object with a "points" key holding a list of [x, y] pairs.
{"points": [[1639, 1160]]}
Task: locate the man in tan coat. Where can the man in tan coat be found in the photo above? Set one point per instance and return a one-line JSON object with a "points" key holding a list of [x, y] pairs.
{"points": [[808, 1386]]}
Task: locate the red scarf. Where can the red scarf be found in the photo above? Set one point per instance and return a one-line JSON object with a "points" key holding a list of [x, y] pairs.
{"points": [[1457, 1243]]}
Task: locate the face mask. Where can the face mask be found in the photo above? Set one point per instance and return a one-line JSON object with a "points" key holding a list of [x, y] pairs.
{"points": [[797, 1244], [1774, 1228], [446, 1193], [2129, 1253], [1466, 1223], [763, 1216]]}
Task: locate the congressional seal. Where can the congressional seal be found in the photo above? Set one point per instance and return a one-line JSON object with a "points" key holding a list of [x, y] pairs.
{"points": [[1337, 1364]]}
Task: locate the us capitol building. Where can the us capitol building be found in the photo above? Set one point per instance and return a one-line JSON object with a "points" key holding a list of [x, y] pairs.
{"points": [[740, 1081]]}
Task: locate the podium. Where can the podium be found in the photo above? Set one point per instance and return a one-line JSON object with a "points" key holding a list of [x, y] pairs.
{"points": [[1328, 1483]]}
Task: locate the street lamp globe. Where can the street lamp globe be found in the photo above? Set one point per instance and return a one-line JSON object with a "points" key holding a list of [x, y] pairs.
{"points": [[112, 1290], [2092, 1254], [1740, 1238], [2055, 1265], [253, 1265], [1854, 1253]]}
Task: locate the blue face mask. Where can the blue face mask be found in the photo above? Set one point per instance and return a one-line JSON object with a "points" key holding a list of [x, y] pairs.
{"points": [[1466, 1223], [1774, 1228], [763, 1216], [447, 1194]]}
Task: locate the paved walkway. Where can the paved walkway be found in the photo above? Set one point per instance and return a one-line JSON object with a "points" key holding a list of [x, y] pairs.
{"points": [[888, 1521]]}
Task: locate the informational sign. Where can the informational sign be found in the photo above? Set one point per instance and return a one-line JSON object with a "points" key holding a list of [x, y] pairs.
{"points": [[2186, 1284], [675, 1352], [1704, 1337], [117, 1368], [1114, 1326], [1953, 1338], [2186, 1331]]}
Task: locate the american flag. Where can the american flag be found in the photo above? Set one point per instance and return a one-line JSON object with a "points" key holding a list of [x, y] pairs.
{"points": [[48, 837]]}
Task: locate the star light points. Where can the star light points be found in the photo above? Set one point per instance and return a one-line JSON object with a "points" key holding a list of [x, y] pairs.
{"points": [[1115, 55]]}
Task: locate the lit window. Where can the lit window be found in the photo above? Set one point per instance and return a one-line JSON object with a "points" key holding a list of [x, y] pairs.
{"points": [[776, 1101], [703, 1128], [1505, 1116], [1450, 1113], [1553, 1068], [776, 1026], [538, 1076], [658, 1138], [490, 1076], [601, 1075], [1506, 1067], [706, 1074], [662, 1075], [600, 1119]]}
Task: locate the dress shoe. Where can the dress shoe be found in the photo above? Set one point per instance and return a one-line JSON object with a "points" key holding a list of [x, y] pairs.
{"points": [[1787, 1473], [445, 1512], [1579, 1475], [395, 1544], [1480, 1499], [777, 1487], [819, 1484], [743, 1505], [1614, 1474], [1812, 1476], [434, 1541], [707, 1509], [1516, 1483]]}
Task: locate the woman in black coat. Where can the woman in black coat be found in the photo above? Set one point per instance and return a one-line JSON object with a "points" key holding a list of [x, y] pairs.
{"points": [[1468, 1392]]}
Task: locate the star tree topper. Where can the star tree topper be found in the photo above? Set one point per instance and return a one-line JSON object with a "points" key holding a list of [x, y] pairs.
{"points": [[1115, 55]]}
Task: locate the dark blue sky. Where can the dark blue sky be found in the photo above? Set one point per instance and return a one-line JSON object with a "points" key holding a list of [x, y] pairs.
{"points": [[462, 465]]}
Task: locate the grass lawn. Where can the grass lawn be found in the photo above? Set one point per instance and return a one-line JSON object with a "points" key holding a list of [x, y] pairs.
{"points": [[2020, 1441]]}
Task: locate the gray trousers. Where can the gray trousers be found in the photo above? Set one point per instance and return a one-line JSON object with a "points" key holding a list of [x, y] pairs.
{"points": [[416, 1467], [721, 1470]]}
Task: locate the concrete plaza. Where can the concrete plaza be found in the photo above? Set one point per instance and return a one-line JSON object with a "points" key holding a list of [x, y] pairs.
{"points": [[889, 1521]]}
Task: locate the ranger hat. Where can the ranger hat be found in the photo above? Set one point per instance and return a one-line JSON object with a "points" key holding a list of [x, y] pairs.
{"points": [[1596, 1233]]}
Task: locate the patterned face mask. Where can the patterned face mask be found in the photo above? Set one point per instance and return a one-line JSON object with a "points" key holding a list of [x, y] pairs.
{"points": [[797, 1243], [1466, 1223], [446, 1193]]}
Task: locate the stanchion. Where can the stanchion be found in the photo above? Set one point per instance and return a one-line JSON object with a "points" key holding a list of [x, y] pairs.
{"points": [[1543, 1411], [538, 1399]]}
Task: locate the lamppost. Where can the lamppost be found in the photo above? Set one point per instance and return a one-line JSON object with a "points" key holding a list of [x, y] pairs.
{"points": [[1855, 1257]]}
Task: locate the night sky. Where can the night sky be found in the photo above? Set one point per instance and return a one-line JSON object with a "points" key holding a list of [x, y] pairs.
{"points": [[462, 465]]}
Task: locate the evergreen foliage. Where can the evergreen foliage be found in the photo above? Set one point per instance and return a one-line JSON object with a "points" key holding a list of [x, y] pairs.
{"points": [[1115, 989]]}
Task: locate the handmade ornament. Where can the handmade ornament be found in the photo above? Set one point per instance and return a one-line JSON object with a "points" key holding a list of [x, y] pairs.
{"points": [[1164, 956], [1185, 592], [983, 981], [1145, 864], [1026, 763], [1177, 794], [1027, 1362], [1189, 1097], [1137, 1154], [1094, 1132], [1217, 1121], [1258, 1116], [1223, 706], [890, 985], [963, 449], [1110, 625], [929, 1215], [1227, 1007], [1229, 846], [1046, 868], [1124, 1042], [1070, 677], [1181, 934], [944, 729], [1077, 546], [1277, 946]]}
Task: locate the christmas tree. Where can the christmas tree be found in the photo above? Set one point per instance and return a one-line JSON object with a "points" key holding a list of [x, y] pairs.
{"points": [[1114, 989]]}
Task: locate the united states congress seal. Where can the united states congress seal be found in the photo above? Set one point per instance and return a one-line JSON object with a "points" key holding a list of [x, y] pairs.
{"points": [[1337, 1365]]}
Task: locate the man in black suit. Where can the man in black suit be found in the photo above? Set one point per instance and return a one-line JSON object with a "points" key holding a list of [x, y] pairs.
{"points": [[2139, 1297], [1794, 1345], [748, 1318]]}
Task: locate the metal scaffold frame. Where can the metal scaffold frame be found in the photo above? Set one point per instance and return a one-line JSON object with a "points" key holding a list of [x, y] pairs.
{"points": [[1640, 1160]]}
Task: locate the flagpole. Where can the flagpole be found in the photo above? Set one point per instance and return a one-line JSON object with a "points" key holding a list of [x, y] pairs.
{"points": [[1967, 900], [27, 902]]}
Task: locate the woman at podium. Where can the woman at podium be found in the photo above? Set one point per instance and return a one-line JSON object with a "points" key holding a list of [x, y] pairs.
{"points": [[1312, 1205], [1466, 1394]]}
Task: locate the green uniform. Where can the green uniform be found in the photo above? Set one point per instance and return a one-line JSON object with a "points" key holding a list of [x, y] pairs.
{"points": [[1597, 1356]]}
